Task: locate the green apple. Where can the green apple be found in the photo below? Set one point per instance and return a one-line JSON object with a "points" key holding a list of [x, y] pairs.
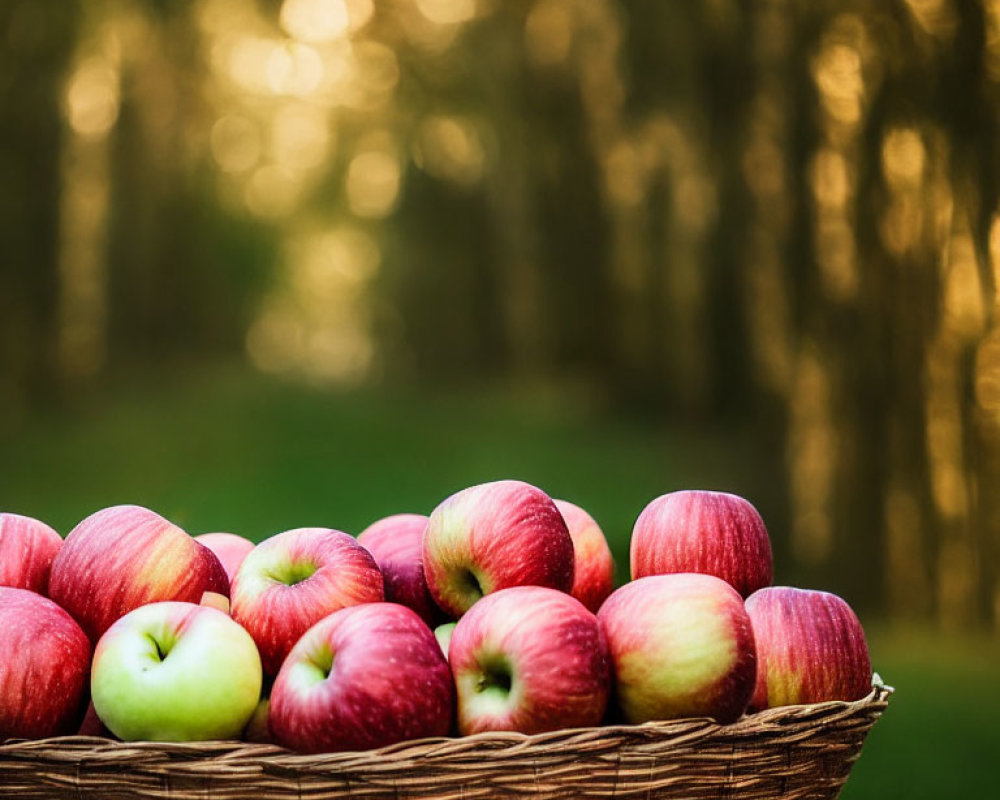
{"points": [[175, 672], [443, 634]]}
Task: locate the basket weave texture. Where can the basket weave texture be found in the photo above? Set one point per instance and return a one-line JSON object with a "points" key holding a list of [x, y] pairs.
{"points": [[779, 754]]}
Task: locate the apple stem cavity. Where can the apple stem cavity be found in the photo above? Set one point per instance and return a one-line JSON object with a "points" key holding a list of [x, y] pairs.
{"points": [[320, 665], [160, 649], [495, 680], [295, 573], [470, 583]]}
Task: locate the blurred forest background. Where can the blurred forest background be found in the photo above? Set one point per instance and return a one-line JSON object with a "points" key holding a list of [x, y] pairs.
{"points": [[616, 247]]}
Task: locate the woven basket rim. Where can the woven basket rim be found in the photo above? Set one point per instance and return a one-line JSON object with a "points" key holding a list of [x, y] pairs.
{"points": [[785, 753], [753, 724]]}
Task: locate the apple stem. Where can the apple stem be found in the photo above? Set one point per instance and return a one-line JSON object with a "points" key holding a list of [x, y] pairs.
{"points": [[161, 653]]}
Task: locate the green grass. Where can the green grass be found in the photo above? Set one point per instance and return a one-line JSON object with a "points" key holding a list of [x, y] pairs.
{"points": [[940, 736], [227, 451]]}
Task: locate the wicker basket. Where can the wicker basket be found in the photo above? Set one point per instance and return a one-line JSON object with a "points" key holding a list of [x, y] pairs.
{"points": [[791, 752]]}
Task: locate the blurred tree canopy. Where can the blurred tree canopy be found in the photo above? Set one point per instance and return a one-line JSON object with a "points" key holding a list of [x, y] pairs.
{"points": [[782, 213]]}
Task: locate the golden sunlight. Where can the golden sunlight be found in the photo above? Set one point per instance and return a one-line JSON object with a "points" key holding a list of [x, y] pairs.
{"points": [[373, 179], [318, 324], [301, 136], [236, 143], [813, 456], [548, 32], [450, 148], [830, 179], [294, 69], [903, 157], [447, 12], [272, 191], [315, 20], [934, 17], [92, 98]]}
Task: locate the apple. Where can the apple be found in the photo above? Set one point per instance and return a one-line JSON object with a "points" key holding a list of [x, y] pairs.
{"points": [[293, 579], [257, 730], [810, 648], [27, 549], [92, 725], [366, 676], [681, 646], [175, 672], [593, 566], [529, 659], [44, 663], [714, 533], [396, 542], [443, 634], [123, 557], [229, 548], [494, 536], [215, 600]]}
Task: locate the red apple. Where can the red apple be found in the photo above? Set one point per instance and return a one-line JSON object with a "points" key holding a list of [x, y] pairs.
{"points": [[44, 664], [292, 580], [529, 659], [810, 648], [397, 542], [124, 557], [494, 536], [229, 548], [681, 646], [593, 566], [27, 549], [714, 533], [92, 725], [363, 677]]}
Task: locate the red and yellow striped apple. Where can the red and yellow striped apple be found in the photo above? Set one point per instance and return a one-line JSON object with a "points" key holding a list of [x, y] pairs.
{"points": [[593, 566], [292, 580], [529, 659], [810, 648], [124, 557], [229, 548], [27, 550], [363, 677], [44, 664], [714, 533], [681, 646], [494, 536]]}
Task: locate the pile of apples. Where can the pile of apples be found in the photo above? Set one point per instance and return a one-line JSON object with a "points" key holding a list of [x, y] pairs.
{"points": [[496, 613]]}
